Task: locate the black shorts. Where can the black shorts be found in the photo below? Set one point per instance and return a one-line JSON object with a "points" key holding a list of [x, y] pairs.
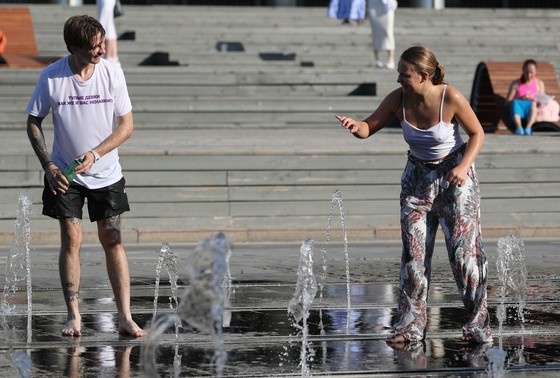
{"points": [[102, 203]]}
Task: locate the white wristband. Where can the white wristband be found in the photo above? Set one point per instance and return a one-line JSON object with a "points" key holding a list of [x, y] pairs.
{"points": [[96, 156]]}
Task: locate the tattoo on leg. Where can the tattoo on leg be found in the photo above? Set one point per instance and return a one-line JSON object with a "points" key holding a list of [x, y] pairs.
{"points": [[69, 294], [73, 296], [64, 222], [113, 222]]}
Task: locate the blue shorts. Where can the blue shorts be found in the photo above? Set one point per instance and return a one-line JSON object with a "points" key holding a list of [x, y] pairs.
{"points": [[102, 203], [521, 107]]}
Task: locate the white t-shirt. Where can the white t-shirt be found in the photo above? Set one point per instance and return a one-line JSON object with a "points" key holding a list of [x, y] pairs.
{"points": [[83, 115]]}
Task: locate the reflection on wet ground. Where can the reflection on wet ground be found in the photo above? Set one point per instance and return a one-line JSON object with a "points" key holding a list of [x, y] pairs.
{"points": [[259, 337]]}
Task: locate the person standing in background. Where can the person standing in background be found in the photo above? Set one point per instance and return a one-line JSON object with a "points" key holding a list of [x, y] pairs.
{"points": [[105, 15], [381, 14], [347, 10]]}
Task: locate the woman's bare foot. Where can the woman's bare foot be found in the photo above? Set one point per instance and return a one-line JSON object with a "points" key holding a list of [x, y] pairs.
{"points": [[72, 328], [130, 328], [397, 339]]}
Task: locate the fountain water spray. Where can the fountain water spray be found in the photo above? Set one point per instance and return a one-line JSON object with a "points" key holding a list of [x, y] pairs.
{"points": [[227, 282], [496, 362], [202, 304], [21, 363], [19, 261], [227, 285], [299, 306], [512, 274], [168, 260], [337, 200]]}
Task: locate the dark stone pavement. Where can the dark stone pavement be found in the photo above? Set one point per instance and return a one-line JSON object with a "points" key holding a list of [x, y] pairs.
{"points": [[258, 334]]}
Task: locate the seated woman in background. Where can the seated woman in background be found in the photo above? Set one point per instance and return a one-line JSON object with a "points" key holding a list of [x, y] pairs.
{"points": [[521, 98]]}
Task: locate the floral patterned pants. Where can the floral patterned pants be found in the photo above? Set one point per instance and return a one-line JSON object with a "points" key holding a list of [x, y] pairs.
{"points": [[427, 200]]}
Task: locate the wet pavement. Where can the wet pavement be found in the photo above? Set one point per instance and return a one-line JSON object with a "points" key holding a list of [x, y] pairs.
{"points": [[258, 335]]}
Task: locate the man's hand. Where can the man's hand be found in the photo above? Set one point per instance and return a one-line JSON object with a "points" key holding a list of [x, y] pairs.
{"points": [[56, 179]]}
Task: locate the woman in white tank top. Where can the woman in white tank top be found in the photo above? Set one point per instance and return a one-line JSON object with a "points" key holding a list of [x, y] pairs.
{"points": [[439, 186]]}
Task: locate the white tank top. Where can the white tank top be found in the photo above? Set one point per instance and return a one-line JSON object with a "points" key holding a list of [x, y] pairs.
{"points": [[434, 143]]}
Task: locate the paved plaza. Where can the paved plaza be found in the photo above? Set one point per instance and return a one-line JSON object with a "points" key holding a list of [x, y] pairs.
{"points": [[258, 335]]}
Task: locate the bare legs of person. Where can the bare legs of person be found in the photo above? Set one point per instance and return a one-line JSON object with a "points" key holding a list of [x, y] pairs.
{"points": [[123, 360], [117, 268], [69, 269], [111, 50]]}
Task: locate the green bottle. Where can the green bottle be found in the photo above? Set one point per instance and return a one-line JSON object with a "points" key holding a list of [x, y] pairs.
{"points": [[70, 171]]}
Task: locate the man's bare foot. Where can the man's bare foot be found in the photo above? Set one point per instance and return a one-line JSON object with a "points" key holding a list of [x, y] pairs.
{"points": [[397, 339], [130, 328], [72, 328], [123, 360]]}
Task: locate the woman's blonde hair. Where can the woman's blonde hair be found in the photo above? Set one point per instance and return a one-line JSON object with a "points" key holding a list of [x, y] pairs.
{"points": [[421, 59]]}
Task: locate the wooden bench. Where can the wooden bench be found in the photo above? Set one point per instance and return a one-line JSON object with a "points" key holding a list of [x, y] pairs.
{"points": [[21, 49], [490, 88]]}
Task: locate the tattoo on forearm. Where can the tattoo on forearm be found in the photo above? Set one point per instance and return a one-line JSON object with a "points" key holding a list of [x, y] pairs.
{"points": [[37, 139], [40, 148]]}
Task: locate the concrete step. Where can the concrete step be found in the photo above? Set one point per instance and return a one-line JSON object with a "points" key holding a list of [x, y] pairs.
{"points": [[246, 141]]}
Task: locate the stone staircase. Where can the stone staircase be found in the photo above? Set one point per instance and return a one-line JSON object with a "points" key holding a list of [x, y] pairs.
{"points": [[236, 131]]}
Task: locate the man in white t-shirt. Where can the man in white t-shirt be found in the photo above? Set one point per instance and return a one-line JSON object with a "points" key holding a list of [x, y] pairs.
{"points": [[92, 117]]}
